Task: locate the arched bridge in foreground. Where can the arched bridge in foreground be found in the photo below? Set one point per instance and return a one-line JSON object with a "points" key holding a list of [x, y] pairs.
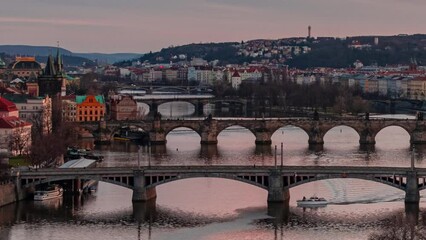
{"points": [[276, 180], [263, 129]]}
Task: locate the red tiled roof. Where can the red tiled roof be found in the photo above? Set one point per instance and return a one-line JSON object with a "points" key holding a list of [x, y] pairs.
{"points": [[236, 74], [13, 122], [69, 97], [7, 106]]}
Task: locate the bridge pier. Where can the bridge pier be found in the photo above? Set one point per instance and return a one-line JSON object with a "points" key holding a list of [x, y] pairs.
{"points": [[199, 108], [366, 139], [76, 185], [157, 136], [316, 147], [412, 194], [140, 192], [209, 132], [316, 137], [418, 136], [263, 136], [276, 191]]}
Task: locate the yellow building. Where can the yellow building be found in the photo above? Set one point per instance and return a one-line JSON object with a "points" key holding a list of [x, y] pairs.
{"points": [[90, 108]]}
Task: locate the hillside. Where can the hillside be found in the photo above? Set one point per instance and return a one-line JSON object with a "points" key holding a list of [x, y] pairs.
{"points": [[302, 52], [74, 58], [108, 57]]}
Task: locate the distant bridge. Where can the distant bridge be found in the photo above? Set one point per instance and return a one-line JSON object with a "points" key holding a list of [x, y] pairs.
{"points": [[263, 129], [167, 89], [276, 180]]}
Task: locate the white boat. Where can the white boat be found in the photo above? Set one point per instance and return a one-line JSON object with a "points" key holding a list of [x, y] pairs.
{"points": [[312, 202], [52, 191]]}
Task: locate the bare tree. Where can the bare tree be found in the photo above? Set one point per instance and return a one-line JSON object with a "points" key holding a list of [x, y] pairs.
{"points": [[19, 140], [47, 149]]}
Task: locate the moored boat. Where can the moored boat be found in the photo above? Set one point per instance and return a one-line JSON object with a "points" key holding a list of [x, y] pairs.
{"points": [[50, 192], [312, 202]]}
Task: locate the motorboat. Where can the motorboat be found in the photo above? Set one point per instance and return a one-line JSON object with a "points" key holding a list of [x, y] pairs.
{"points": [[312, 202], [50, 192]]}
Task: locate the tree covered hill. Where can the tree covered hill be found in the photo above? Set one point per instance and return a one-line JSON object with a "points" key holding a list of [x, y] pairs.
{"points": [[70, 58], [390, 50], [226, 52], [314, 52]]}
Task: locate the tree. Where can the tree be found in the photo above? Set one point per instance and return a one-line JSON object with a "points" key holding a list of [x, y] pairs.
{"points": [[53, 145], [19, 140]]}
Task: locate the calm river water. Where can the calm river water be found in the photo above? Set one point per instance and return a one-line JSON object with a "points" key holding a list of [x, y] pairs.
{"points": [[209, 208]]}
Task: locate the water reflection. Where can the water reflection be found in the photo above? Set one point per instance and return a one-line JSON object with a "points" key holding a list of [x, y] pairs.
{"points": [[223, 209], [145, 211], [403, 226]]}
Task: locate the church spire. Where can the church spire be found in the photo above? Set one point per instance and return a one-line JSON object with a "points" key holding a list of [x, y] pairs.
{"points": [[50, 69], [58, 60]]}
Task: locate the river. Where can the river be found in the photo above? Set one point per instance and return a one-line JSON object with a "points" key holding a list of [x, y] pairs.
{"points": [[211, 208]]}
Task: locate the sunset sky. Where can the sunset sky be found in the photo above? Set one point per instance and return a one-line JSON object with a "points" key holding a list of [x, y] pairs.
{"points": [[143, 25]]}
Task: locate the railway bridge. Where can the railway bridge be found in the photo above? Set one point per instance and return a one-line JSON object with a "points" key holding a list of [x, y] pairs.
{"points": [[277, 180]]}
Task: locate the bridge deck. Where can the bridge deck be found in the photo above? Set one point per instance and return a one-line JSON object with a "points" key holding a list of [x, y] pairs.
{"points": [[222, 169]]}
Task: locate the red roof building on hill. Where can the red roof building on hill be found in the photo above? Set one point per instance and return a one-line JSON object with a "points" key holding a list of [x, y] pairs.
{"points": [[16, 135], [13, 122], [8, 108]]}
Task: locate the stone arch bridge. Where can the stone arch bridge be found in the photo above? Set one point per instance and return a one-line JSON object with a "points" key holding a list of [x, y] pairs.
{"points": [[263, 129], [276, 180]]}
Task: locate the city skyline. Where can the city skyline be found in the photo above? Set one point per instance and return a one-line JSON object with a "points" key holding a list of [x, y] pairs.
{"points": [[140, 26]]}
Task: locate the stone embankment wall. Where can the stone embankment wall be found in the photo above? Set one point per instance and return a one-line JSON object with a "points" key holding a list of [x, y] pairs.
{"points": [[7, 193], [10, 194]]}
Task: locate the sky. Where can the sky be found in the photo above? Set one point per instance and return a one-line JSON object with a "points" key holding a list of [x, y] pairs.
{"points": [[140, 26]]}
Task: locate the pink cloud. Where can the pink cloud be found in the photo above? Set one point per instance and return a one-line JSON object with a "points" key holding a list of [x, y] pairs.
{"points": [[67, 22]]}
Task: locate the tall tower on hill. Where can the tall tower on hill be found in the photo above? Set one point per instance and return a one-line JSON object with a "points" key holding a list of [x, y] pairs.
{"points": [[309, 32], [52, 80]]}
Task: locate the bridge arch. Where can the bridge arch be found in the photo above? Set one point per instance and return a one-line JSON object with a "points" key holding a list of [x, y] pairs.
{"points": [[135, 126], [394, 181], [275, 130], [330, 128], [223, 127], [243, 129], [186, 126], [166, 107], [126, 182], [258, 181], [397, 125], [329, 131], [290, 134]]}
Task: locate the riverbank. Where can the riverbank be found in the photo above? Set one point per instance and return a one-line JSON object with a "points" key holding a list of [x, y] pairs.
{"points": [[10, 194]]}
